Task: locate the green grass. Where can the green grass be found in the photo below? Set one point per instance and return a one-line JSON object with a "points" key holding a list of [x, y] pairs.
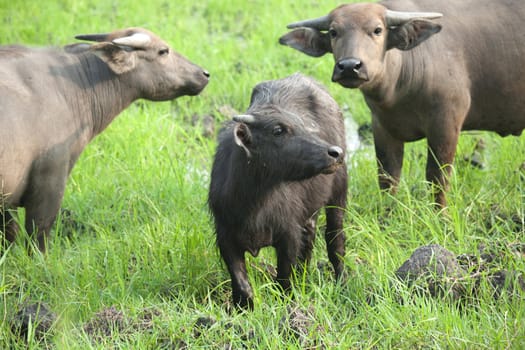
{"points": [[141, 237]]}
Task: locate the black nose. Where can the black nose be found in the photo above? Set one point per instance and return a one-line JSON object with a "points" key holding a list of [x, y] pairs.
{"points": [[350, 69], [335, 152], [349, 64], [206, 73]]}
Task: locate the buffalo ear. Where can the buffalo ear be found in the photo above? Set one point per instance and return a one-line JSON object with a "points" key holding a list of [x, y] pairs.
{"points": [[77, 48], [120, 60], [307, 40], [410, 34], [243, 137]]}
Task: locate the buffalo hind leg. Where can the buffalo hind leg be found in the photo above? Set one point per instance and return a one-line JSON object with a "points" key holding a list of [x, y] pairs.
{"points": [[287, 253], [307, 245]]}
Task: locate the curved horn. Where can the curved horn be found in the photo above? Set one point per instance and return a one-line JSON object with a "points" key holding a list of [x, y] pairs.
{"points": [[137, 40], [244, 118], [395, 18], [92, 37], [321, 23]]}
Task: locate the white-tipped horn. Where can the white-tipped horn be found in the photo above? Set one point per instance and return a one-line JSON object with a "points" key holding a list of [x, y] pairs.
{"points": [[321, 23], [137, 40], [395, 18], [244, 118]]}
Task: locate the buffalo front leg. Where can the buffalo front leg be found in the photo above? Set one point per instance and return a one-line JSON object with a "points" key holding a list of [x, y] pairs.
{"points": [[43, 197], [334, 235], [39, 219], [8, 226], [242, 293], [389, 155], [441, 151], [335, 240]]}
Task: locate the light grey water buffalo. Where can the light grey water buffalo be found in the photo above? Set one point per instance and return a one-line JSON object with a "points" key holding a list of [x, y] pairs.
{"points": [[427, 68], [54, 101]]}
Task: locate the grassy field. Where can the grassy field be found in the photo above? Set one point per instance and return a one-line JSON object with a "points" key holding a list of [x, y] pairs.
{"points": [[133, 262]]}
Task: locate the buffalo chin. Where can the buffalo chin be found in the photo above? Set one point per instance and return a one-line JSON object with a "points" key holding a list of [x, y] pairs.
{"points": [[350, 83], [332, 168]]}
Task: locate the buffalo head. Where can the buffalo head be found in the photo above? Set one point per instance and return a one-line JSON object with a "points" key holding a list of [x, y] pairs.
{"points": [[147, 61], [359, 35], [283, 147]]}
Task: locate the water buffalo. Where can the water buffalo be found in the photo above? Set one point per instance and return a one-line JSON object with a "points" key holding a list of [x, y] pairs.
{"points": [[54, 101], [419, 83], [274, 169]]}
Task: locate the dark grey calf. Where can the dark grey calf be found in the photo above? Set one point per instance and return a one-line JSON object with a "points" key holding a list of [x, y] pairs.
{"points": [[274, 169]]}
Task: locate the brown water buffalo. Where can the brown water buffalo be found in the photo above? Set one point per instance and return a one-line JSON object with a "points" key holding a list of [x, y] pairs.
{"points": [[275, 168], [427, 68], [54, 101]]}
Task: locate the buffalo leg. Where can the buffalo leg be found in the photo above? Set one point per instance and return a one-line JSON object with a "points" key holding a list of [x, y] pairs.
{"points": [[307, 243], [43, 198], [389, 155], [287, 254], [242, 293], [334, 236], [8, 226], [441, 151], [38, 223]]}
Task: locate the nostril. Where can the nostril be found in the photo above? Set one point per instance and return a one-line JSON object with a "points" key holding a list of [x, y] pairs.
{"points": [[206, 73], [335, 152], [349, 64]]}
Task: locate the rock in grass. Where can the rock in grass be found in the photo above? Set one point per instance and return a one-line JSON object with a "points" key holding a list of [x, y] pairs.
{"points": [[36, 316], [433, 270], [202, 324]]}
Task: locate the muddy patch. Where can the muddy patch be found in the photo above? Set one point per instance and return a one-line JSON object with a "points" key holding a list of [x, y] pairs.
{"points": [[113, 323], [301, 326]]}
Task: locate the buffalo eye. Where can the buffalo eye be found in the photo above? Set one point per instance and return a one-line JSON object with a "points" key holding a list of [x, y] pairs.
{"points": [[333, 33], [278, 130], [378, 31], [163, 52]]}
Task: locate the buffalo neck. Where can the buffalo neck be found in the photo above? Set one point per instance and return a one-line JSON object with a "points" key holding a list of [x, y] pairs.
{"points": [[253, 184], [401, 70], [103, 92]]}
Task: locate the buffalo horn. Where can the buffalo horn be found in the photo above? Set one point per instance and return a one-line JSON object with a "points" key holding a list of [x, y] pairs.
{"points": [[92, 37], [244, 118], [137, 40], [395, 18], [321, 23]]}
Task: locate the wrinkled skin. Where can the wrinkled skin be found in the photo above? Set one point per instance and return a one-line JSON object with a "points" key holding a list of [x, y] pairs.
{"points": [[271, 176], [427, 78], [55, 101]]}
